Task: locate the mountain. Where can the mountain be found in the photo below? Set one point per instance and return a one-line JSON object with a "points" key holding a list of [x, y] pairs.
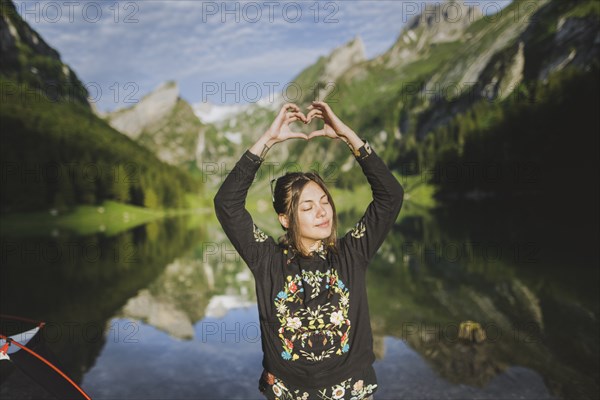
{"points": [[194, 136], [162, 122], [58, 152], [27, 58], [452, 75], [318, 80], [185, 135], [441, 23]]}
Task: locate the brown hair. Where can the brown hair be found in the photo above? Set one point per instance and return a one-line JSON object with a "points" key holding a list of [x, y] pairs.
{"points": [[286, 197]]}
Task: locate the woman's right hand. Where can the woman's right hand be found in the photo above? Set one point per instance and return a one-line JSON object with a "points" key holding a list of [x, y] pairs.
{"points": [[280, 128]]}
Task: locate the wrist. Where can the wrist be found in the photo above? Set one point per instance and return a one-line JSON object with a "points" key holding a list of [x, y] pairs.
{"points": [[355, 144], [262, 146], [267, 139]]}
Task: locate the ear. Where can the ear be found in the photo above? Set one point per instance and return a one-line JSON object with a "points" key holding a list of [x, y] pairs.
{"points": [[283, 220]]}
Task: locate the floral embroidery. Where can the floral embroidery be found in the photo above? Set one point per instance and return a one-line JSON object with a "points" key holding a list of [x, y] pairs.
{"points": [[282, 392], [314, 279], [259, 235], [358, 390], [321, 251], [318, 332], [338, 392], [359, 230]]}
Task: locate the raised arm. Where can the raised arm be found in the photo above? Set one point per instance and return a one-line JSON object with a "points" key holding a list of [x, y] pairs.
{"points": [[230, 200], [370, 231], [372, 228]]}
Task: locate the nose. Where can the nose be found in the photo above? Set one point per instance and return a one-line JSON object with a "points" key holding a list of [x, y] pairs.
{"points": [[322, 211]]}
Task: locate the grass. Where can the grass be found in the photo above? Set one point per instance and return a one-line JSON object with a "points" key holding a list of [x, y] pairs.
{"points": [[418, 200], [418, 197], [113, 217], [109, 218], [585, 9]]}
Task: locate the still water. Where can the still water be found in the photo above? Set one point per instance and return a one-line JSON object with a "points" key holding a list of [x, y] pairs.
{"points": [[167, 310]]}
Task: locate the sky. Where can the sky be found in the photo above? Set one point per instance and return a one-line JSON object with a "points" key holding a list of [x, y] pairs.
{"points": [[217, 51]]}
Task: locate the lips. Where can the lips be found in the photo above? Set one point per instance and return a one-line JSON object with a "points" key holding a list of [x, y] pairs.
{"points": [[324, 224]]}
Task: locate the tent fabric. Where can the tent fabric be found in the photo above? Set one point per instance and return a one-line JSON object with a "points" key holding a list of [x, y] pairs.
{"points": [[35, 359]]}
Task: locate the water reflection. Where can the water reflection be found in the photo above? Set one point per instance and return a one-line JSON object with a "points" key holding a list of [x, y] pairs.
{"points": [[77, 284], [168, 311], [404, 373], [219, 363], [223, 362]]}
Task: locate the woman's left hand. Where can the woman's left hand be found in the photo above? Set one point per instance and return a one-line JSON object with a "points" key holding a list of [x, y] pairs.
{"points": [[334, 128]]}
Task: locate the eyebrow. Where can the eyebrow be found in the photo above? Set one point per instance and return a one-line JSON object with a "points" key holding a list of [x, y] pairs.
{"points": [[306, 201]]}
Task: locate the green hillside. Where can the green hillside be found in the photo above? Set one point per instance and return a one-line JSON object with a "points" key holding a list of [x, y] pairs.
{"points": [[507, 89], [60, 154], [56, 152]]}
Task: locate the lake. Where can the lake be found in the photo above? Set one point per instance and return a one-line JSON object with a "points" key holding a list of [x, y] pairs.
{"points": [[168, 309]]}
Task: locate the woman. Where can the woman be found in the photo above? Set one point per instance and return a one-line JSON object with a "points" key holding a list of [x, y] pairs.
{"points": [[311, 290]]}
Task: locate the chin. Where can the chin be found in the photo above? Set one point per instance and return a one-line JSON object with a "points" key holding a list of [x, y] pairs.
{"points": [[322, 235]]}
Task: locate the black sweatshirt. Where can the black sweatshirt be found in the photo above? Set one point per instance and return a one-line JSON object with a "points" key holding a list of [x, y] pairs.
{"points": [[314, 315]]}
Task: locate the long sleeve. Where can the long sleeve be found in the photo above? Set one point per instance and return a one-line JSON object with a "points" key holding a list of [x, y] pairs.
{"points": [[370, 231], [230, 209]]}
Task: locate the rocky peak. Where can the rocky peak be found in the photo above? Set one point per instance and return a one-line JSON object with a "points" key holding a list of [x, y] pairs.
{"points": [[14, 31], [444, 22], [27, 58], [344, 57], [151, 109], [164, 123], [436, 23]]}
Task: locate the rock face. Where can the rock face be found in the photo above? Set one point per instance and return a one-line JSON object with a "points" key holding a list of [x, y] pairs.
{"points": [[445, 22], [148, 112], [342, 58], [574, 43], [330, 69], [27, 58], [12, 33], [159, 313], [436, 23], [162, 122]]}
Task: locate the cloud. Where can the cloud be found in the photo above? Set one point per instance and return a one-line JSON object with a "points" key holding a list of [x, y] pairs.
{"points": [[149, 42]]}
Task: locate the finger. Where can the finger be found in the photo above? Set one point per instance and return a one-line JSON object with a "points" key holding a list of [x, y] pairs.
{"points": [[295, 117], [322, 105], [316, 105], [297, 135], [299, 115], [287, 106], [320, 132], [314, 113]]}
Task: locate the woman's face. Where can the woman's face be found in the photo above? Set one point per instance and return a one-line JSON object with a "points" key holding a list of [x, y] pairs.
{"points": [[314, 214]]}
